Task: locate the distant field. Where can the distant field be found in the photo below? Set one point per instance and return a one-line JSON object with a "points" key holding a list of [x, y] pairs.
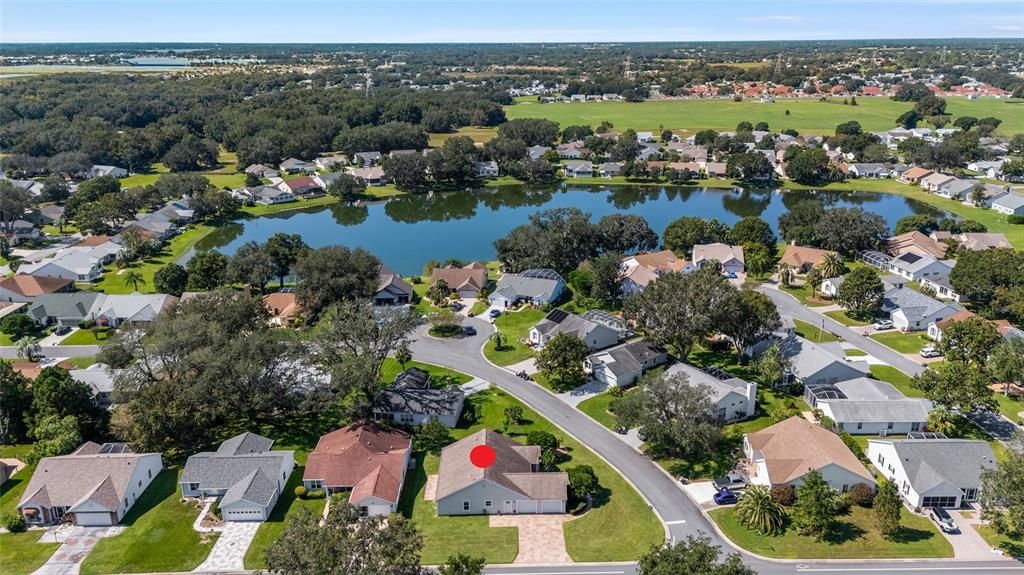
{"points": [[806, 115]]}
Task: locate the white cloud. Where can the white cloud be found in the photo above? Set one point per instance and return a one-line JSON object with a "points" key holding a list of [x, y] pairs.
{"points": [[1009, 28]]}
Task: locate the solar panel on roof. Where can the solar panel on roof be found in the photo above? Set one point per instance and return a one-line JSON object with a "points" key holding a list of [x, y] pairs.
{"points": [[910, 257], [558, 315]]}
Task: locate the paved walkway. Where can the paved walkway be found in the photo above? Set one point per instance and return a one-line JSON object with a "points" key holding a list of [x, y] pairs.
{"points": [[76, 543], [583, 392], [228, 552], [474, 385], [430, 491], [968, 545], [541, 538]]}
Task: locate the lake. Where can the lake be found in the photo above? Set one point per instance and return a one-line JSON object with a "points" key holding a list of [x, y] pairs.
{"points": [[407, 231]]}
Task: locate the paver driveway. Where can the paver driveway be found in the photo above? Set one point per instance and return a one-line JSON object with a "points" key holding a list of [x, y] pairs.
{"points": [[228, 552], [541, 539], [75, 545]]}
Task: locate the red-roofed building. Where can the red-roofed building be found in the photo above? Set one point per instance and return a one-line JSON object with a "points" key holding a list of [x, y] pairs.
{"points": [[871, 90], [366, 458]]}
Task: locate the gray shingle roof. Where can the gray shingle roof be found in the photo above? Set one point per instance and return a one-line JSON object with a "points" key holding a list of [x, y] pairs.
{"points": [[1011, 201], [719, 387], [245, 443], [915, 305], [522, 286], [894, 410], [808, 358], [930, 462], [255, 487], [234, 463]]}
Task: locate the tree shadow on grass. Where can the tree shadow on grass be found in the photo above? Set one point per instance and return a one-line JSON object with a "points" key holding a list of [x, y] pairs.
{"points": [[911, 535], [844, 533], [163, 487]]}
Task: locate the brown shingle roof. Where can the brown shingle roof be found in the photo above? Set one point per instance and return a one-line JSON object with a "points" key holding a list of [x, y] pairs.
{"points": [[665, 260], [471, 276], [32, 286], [794, 446], [916, 173], [367, 456], [918, 243], [512, 468], [90, 241], [797, 256]]}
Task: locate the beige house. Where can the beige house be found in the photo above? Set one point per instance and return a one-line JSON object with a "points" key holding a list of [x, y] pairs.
{"points": [[468, 281], [802, 258], [641, 269], [731, 257]]}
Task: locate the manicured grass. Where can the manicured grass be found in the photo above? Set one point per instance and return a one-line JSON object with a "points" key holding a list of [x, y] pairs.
{"points": [[479, 135], [515, 326], [12, 490], [854, 352], [1010, 407], [81, 362], [599, 408], [806, 115], [897, 378], [846, 320], [158, 538], [263, 210], [857, 538], [22, 553], [113, 282], [814, 333], [1012, 547], [902, 342], [479, 307], [272, 529], [803, 293], [620, 527], [87, 337], [392, 368]]}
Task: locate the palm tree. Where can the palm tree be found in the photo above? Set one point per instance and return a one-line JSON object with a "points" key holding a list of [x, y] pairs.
{"points": [[813, 279], [499, 340], [758, 511], [757, 262], [785, 274], [134, 278], [28, 348], [832, 266], [942, 420]]}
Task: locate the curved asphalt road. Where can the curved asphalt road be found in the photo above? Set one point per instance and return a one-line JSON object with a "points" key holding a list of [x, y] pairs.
{"points": [[680, 515]]}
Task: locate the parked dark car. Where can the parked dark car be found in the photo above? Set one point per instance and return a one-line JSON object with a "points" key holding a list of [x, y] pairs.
{"points": [[494, 313], [943, 519], [456, 306], [469, 330], [63, 330], [725, 497]]}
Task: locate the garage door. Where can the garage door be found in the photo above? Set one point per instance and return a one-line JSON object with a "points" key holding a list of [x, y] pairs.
{"points": [[551, 506], [526, 506], [93, 519], [244, 515]]}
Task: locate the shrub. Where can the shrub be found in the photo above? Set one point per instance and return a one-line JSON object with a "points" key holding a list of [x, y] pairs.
{"points": [[862, 494], [852, 444], [784, 494], [87, 324], [616, 391], [843, 503], [300, 492], [15, 523], [1015, 219], [542, 439], [316, 494]]}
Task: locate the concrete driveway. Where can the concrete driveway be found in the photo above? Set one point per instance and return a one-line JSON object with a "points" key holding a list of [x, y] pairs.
{"points": [[702, 493], [541, 538], [75, 545], [968, 545], [228, 552]]}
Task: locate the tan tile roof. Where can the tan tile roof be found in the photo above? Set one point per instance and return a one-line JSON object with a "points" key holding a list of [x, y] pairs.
{"points": [[472, 276], [918, 243], [32, 286], [512, 468], [797, 256], [916, 173], [367, 456], [665, 260], [794, 446], [958, 316], [281, 304], [90, 241], [717, 251]]}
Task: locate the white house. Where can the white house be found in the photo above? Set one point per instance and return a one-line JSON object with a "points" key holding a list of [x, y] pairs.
{"points": [[915, 266], [74, 265], [596, 335], [579, 169], [830, 287], [785, 452], [1010, 204], [622, 366], [911, 310], [113, 171], [812, 364], [731, 257], [933, 472], [866, 406], [734, 398], [942, 287], [988, 168], [934, 181]]}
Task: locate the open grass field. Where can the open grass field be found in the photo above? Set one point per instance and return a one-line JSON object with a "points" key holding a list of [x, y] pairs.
{"points": [[515, 326], [902, 342], [857, 538], [113, 282], [803, 293], [159, 535], [806, 115], [897, 378], [479, 135], [599, 408], [22, 553], [620, 527]]}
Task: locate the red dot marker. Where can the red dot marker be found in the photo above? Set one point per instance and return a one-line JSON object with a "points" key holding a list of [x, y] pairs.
{"points": [[482, 456]]}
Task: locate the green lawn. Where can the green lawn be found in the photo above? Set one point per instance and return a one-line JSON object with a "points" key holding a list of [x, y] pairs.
{"points": [[619, 528], [113, 282], [1012, 547], [392, 368], [911, 342], [857, 538], [846, 320], [1010, 407], [287, 505], [14, 488], [599, 408], [515, 326], [225, 175], [897, 378], [87, 337], [159, 535], [814, 333], [21, 553], [854, 352], [806, 115], [479, 307], [803, 293], [264, 210]]}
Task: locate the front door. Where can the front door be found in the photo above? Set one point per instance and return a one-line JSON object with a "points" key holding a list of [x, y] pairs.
{"points": [[510, 507]]}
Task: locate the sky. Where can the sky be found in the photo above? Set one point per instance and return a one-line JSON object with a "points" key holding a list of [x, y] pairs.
{"points": [[387, 21]]}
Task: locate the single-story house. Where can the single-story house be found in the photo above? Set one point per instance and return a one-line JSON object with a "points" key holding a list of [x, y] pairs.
{"points": [[942, 287], [487, 169], [367, 459], [989, 194], [113, 171], [367, 159], [865, 406], [811, 363], [579, 169], [869, 170], [734, 398], [467, 281], [731, 257], [988, 168], [784, 453], [830, 286], [74, 265], [100, 379], [306, 186], [270, 195], [644, 137], [512, 485], [411, 400], [372, 175], [934, 181], [244, 473], [715, 169], [609, 169], [1004, 327], [95, 485], [537, 152], [639, 270], [327, 163], [915, 175], [282, 307], [115, 309], [25, 288], [933, 472], [391, 288], [802, 258], [623, 365], [22, 230], [956, 189], [595, 335], [916, 243], [536, 286], [294, 166], [975, 241], [1010, 204], [261, 171], [571, 150], [64, 308], [914, 266], [911, 310]]}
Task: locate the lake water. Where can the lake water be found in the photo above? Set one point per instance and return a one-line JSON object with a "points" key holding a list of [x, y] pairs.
{"points": [[407, 231]]}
